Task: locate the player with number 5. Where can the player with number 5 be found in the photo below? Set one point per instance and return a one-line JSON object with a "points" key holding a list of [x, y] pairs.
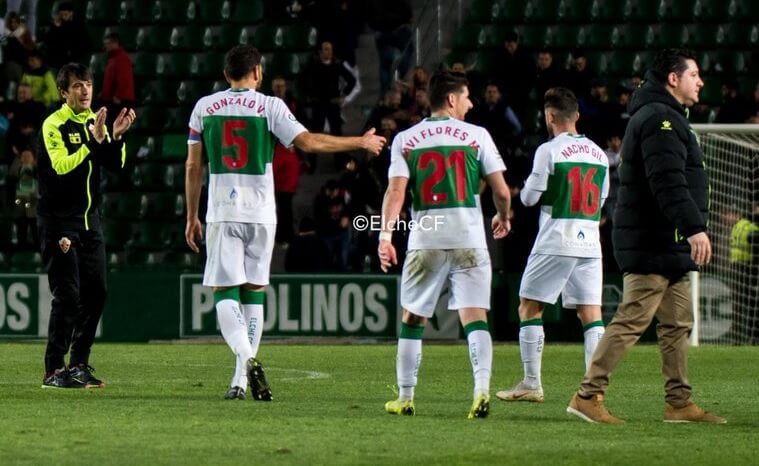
{"points": [[442, 159], [570, 180], [238, 128]]}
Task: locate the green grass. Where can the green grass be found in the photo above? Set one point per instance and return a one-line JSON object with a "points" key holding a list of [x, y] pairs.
{"points": [[163, 405]]}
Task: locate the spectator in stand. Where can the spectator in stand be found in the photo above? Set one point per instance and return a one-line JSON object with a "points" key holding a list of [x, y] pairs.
{"points": [[23, 174], [30, 13], [279, 89], [17, 44], [390, 107], [593, 110], [516, 73], [286, 168], [420, 107], [67, 39], [391, 21], [548, 73], [734, 108], [340, 22], [118, 81], [326, 93], [613, 149], [307, 253], [25, 117], [496, 115], [580, 77], [418, 79], [615, 115], [332, 224], [41, 80]]}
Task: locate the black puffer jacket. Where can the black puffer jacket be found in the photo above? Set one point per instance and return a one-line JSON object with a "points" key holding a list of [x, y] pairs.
{"points": [[664, 189]]}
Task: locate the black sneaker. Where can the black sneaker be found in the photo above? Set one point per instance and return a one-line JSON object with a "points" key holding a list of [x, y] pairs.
{"points": [[60, 379], [235, 393], [82, 373], [259, 387]]}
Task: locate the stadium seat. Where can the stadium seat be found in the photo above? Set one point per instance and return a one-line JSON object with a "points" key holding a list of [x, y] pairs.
{"points": [[220, 85], [730, 63], [667, 35], [184, 261], [8, 234], [207, 65], [606, 10], [143, 260], [510, 11], [594, 35], [247, 12], [645, 11], [174, 146], [221, 38], [147, 236], [118, 180], [115, 261], [98, 62], [190, 91], [26, 262], [711, 10], [121, 206], [204, 12], [629, 36], [153, 38], [471, 37], [575, 11], [676, 11], [288, 65], [116, 234], [266, 37], [736, 35], [164, 206], [702, 35], [149, 176], [155, 92], [562, 36], [151, 119], [174, 64], [144, 65], [95, 12], [486, 62], [186, 38], [173, 236], [170, 11], [711, 93], [482, 11], [140, 146], [533, 120], [531, 36], [747, 86], [743, 10], [598, 61], [135, 12], [541, 11], [174, 177], [298, 38], [178, 118]]}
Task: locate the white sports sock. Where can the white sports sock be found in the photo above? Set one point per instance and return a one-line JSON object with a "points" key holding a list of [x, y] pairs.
{"points": [[235, 333], [254, 318], [531, 340], [481, 357], [408, 359], [593, 336]]}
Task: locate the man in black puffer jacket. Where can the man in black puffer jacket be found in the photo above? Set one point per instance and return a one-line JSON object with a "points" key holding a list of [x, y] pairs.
{"points": [[659, 236]]}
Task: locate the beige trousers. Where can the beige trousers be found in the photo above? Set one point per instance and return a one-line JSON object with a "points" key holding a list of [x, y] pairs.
{"points": [[644, 297]]}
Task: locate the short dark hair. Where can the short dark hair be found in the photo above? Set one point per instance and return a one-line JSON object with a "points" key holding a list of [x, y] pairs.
{"points": [[443, 83], [562, 101], [511, 36], [671, 61], [241, 60], [65, 6], [113, 37], [71, 71]]}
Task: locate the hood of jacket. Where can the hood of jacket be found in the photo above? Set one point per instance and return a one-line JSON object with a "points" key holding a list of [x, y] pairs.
{"points": [[653, 90]]}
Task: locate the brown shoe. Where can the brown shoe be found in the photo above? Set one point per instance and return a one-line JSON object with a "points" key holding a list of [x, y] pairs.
{"points": [[592, 410], [690, 413]]}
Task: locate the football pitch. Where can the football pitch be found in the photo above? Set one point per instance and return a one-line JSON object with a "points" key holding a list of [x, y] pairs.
{"points": [[163, 405]]}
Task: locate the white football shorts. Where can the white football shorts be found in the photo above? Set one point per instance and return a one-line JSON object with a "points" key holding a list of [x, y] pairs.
{"points": [[238, 253], [579, 280], [427, 271]]}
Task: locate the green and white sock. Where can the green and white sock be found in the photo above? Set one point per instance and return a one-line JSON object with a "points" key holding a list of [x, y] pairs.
{"points": [[531, 340], [233, 329], [480, 354], [408, 359], [593, 332], [253, 308]]}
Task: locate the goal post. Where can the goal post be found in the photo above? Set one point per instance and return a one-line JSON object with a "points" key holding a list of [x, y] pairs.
{"points": [[726, 308]]}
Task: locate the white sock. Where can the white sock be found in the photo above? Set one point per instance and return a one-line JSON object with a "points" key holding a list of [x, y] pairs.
{"points": [[593, 336], [531, 339], [254, 318], [407, 366], [235, 333], [481, 357]]}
